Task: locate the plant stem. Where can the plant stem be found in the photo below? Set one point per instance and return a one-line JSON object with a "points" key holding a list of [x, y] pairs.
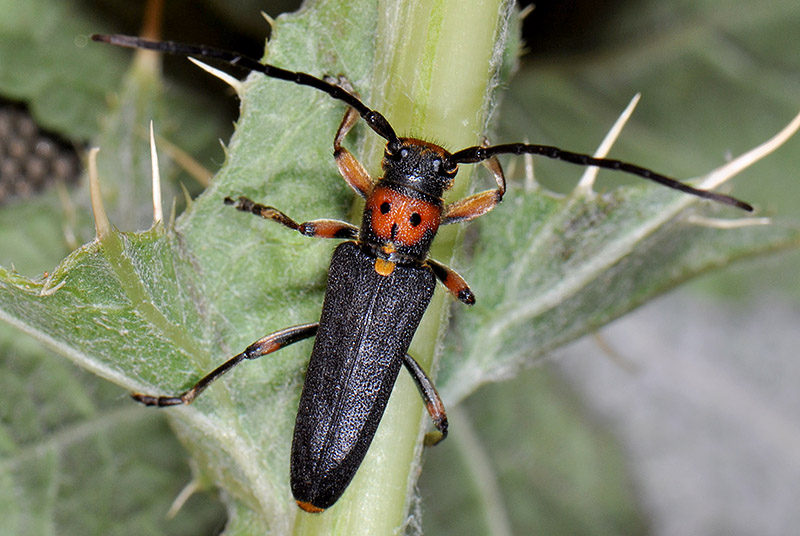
{"points": [[435, 64]]}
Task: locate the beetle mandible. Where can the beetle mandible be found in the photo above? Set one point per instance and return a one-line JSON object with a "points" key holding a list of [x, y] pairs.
{"points": [[380, 280]]}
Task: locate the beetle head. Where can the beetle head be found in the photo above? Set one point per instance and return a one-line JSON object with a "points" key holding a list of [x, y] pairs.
{"points": [[417, 164]]}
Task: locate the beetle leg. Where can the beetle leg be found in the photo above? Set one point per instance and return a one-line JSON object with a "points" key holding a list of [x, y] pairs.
{"points": [[452, 281], [479, 204], [261, 347], [431, 398], [351, 169], [313, 228]]}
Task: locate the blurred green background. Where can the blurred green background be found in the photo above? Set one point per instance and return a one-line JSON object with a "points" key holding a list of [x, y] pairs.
{"points": [[681, 419]]}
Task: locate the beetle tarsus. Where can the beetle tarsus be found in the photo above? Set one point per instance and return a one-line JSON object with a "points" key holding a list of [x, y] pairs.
{"points": [[159, 401]]}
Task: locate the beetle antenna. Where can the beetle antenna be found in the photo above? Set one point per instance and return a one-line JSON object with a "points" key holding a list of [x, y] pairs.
{"points": [[471, 155], [374, 119]]}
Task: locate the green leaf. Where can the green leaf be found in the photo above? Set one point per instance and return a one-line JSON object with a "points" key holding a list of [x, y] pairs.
{"points": [[77, 458], [583, 262], [535, 463], [47, 62], [155, 311]]}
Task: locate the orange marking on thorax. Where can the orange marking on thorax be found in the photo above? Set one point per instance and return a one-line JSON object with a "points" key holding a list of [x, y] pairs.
{"points": [[398, 218]]}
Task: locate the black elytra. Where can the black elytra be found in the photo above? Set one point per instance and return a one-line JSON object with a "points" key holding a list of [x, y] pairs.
{"points": [[350, 377], [380, 281]]}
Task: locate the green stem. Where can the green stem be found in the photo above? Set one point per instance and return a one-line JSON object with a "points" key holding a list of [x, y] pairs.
{"points": [[436, 61]]}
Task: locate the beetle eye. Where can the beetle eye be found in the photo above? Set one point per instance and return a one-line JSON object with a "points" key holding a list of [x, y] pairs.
{"points": [[436, 163], [385, 207], [415, 219], [393, 147], [403, 152]]}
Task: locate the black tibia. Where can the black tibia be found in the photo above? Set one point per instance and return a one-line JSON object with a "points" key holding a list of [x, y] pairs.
{"points": [[433, 403]]}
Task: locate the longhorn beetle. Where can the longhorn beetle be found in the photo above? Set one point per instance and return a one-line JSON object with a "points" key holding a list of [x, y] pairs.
{"points": [[380, 280]]}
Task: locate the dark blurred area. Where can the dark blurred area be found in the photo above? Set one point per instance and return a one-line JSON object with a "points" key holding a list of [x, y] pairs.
{"points": [[31, 159], [564, 27], [553, 28]]}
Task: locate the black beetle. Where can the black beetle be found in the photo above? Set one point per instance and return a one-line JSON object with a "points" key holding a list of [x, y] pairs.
{"points": [[379, 282]]}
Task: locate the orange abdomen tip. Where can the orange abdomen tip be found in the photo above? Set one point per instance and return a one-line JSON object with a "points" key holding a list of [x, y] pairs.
{"points": [[310, 508]]}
